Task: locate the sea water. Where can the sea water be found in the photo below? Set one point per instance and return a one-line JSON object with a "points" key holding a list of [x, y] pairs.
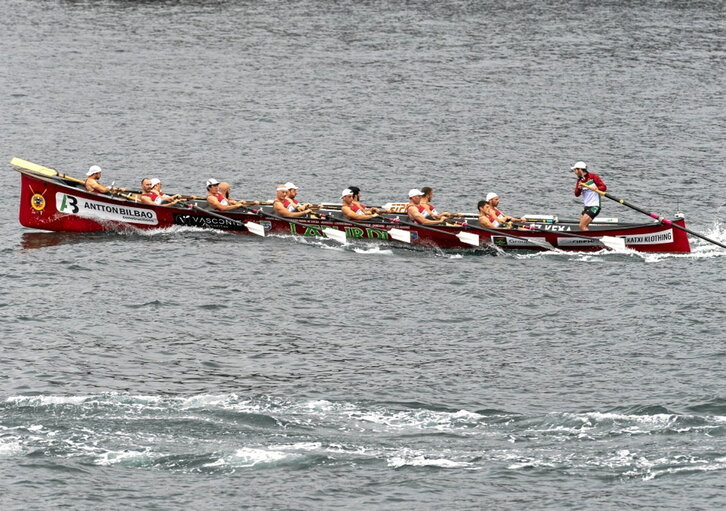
{"points": [[190, 369]]}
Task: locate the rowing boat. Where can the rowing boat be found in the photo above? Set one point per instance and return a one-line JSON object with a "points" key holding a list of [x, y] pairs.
{"points": [[56, 202]]}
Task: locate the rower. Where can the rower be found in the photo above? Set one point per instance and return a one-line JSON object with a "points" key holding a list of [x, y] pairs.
{"points": [[153, 195], [358, 206], [354, 210], [216, 199], [493, 218], [590, 199], [291, 203], [428, 194], [92, 182], [419, 213], [225, 189], [283, 207], [145, 188]]}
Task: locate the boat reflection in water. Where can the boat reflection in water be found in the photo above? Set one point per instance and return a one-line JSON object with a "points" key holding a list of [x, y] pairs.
{"points": [[32, 240]]}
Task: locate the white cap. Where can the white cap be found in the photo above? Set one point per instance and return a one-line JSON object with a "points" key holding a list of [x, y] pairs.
{"points": [[95, 169], [211, 182], [345, 192], [281, 188], [290, 186], [155, 181], [413, 192], [490, 196], [579, 165]]}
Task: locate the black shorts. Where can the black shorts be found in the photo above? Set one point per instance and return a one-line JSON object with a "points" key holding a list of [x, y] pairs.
{"points": [[592, 211]]}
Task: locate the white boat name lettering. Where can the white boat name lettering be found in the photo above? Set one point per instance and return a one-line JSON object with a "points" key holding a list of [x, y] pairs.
{"points": [[97, 210], [650, 239], [118, 211], [207, 222]]}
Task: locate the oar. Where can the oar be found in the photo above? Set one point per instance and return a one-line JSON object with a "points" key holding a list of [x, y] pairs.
{"points": [[396, 234], [464, 237], [333, 234], [542, 244], [29, 165], [253, 227], [611, 242], [660, 219]]}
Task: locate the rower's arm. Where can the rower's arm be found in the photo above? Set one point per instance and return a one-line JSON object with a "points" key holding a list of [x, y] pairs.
{"points": [[92, 184], [351, 215], [284, 212], [485, 222], [214, 202], [416, 216], [279, 208]]}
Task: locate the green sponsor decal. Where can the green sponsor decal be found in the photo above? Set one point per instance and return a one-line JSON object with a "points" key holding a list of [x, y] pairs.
{"points": [[375, 234], [354, 232], [309, 231]]}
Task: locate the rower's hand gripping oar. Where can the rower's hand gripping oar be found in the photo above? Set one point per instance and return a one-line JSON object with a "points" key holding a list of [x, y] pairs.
{"points": [[660, 219]]}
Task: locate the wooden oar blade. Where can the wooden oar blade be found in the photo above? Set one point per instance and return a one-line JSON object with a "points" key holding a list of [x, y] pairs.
{"points": [[613, 243], [469, 238], [29, 165], [255, 228], [335, 234], [400, 235]]}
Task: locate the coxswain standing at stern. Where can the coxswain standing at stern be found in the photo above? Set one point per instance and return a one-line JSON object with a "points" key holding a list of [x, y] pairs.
{"points": [[590, 199], [419, 213]]}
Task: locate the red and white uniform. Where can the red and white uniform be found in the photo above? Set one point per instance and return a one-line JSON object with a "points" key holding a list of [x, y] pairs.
{"points": [[494, 219], [291, 204], [222, 199], [358, 209], [590, 198], [155, 197], [421, 209]]}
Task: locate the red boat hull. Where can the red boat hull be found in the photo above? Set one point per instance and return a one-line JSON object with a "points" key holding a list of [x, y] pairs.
{"points": [[52, 204]]}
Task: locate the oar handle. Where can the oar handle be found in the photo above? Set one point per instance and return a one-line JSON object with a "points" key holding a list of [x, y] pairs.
{"points": [[344, 221], [592, 187]]}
